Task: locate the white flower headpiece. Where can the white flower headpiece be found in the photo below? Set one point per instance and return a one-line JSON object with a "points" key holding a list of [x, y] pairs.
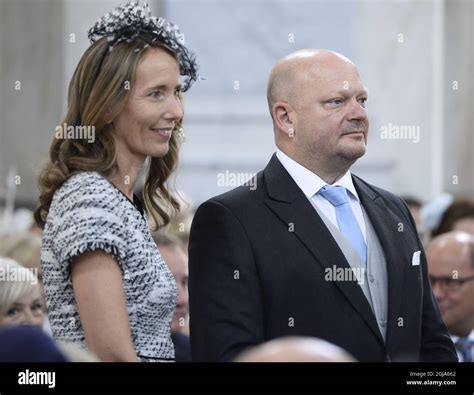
{"points": [[131, 21]]}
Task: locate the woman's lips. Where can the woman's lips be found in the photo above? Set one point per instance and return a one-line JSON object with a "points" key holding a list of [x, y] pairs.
{"points": [[165, 132]]}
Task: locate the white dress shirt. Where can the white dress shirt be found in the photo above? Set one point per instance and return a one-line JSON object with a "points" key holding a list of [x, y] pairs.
{"points": [[310, 184]]}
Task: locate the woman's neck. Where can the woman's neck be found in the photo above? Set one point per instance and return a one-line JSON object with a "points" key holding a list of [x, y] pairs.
{"points": [[126, 174]]}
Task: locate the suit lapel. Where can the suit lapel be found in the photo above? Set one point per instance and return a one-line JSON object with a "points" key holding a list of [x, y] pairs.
{"points": [[386, 224], [289, 203]]}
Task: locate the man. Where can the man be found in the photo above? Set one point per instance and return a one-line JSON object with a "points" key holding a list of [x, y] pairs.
{"points": [[451, 267], [313, 250], [174, 255]]}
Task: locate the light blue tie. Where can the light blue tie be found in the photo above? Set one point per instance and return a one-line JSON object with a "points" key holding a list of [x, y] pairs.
{"points": [[346, 220], [465, 346]]}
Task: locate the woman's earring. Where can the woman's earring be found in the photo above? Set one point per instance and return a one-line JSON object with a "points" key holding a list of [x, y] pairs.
{"points": [[181, 135]]}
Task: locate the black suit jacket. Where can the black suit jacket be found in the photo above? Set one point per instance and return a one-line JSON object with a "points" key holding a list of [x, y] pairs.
{"points": [[256, 272]]}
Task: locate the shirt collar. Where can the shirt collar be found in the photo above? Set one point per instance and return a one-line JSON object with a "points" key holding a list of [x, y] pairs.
{"points": [[309, 182], [470, 336]]}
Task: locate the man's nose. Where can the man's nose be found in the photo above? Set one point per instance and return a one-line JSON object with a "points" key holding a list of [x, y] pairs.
{"points": [[438, 292], [357, 111]]}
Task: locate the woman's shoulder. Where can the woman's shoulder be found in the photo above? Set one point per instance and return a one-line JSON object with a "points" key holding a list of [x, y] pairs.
{"points": [[86, 214], [85, 182], [86, 179], [86, 189]]}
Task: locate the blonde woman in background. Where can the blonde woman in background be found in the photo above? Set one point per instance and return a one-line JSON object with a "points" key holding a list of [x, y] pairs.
{"points": [[21, 302], [25, 249]]}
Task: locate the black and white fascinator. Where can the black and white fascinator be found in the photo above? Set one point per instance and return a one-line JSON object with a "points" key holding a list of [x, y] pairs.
{"points": [[131, 21]]}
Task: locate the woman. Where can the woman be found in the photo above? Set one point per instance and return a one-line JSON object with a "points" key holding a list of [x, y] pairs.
{"points": [[107, 287], [21, 302], [25, 249]]}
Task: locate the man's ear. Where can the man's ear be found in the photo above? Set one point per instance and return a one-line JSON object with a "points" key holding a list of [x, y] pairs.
{"points": [[283, 117]]}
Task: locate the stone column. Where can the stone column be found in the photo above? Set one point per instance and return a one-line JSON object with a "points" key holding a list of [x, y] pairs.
{"points": [[31, 36]]}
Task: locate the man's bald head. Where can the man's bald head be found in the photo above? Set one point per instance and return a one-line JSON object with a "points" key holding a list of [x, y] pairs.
{"points": [[451, 269], [296, 349], [294, 68], [455, 243]]}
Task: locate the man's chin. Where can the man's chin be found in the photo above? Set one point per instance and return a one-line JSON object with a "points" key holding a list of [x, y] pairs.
{"points": [[452, 323], [353, 153]]}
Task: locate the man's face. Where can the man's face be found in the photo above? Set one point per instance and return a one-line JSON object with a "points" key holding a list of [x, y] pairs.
{"points": [[456, 304], [331, 119]]}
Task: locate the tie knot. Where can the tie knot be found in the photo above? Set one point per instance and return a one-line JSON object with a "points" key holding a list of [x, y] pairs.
{"points": [[335, 195]]}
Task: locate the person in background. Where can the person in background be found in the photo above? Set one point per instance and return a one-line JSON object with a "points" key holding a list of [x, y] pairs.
{"points": [[451, 270], [21, 301], [414, 205], [25, 249], [180, 224], [175, 256], [296, 349], [458, 216], [27, 343]]}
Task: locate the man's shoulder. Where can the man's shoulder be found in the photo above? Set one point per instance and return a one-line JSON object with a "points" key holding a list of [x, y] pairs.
{"points": [[250, 193], [383, 193]]}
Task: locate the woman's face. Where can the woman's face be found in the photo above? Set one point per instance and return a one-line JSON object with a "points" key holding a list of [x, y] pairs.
{"points": [[152, 110], [28, 310]]}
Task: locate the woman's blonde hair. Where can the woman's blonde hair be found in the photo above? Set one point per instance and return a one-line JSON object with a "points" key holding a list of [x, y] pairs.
{"points": [[22, 247], [97, 94], [16, 282]]}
